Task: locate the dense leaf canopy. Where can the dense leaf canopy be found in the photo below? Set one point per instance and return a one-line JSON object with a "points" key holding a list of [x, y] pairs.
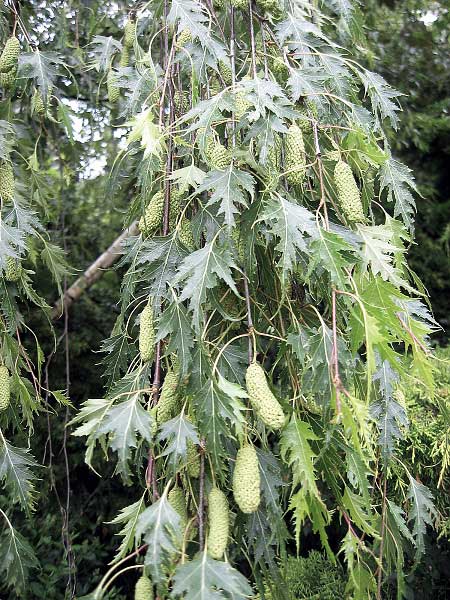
{"points": [[252, 149]]}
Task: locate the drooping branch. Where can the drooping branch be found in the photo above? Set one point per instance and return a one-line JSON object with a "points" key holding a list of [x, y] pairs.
{"points": [[94, 271]]}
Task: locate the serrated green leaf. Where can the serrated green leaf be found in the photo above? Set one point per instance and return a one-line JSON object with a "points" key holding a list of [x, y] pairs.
{"points": [[206, 579]]}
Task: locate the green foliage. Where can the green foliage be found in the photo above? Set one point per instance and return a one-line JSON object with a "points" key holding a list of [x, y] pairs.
{"points": [[313, 577], [239, 200]]}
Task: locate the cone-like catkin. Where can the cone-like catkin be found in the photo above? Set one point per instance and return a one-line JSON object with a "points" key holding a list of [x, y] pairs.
{"points": [[305, 124], [399, 397], [112, 87], [184, 37], [143, 589], [240, 244], [261, 398], [268, 5], [168, 400], [10, 55], [129, 33], [219, 157], [279, 68], [181, 102], [125, 57], [5, 390], [246, 480], [177, 501], [185, 235], [176, 204], [7, 183], [13, 270], [242, 4], [220, 4], [272, 165], [147, 334], [8, 79], [226, 72], [348, 193], [219, 523], [192, 460], [241, 105], [295, 160], [152, 218], [154, 426], [37, 103]]}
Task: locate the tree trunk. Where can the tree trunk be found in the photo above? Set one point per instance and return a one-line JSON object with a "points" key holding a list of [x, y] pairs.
{"points": [[93, 272]]}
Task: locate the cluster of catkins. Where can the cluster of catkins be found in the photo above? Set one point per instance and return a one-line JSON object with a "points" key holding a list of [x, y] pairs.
{"points": [[112, 80], [9, 61], [246, 476], [13, 267]]}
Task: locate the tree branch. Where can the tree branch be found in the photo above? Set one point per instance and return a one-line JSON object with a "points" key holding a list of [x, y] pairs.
{"points": [[93, 272]]}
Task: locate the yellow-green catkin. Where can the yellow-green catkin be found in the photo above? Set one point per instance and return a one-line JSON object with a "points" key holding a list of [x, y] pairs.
{"points": [[9, 58], [184, 37], [261, 398], [125, 57], [13, 270], [129, 33], [272, 166], [5, 388], [112, 87], [349, 197], [168, 400], [240, 4], [7, 182], [246, 480], [147, 334], [177, 501], [192, 460], [176, 204], [240, 245], [143, 589], [181, 102], [152, 218], [8, 79], [226, 72], [186, 236], [37, 103], [219, 156], [305, 124], [295, 158], [399, 397], [219, 523], [154, 426], [269, 5], [279, 68], [241, 105]]}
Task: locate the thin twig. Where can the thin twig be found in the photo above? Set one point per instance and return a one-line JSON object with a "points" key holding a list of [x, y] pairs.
{"points": [[252, 37], [201, 498], [383, 531]]}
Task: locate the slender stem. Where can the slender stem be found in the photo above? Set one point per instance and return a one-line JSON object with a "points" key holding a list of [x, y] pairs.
{"points": [[263, 38], [252, 37], [201, 499], [249, 318], [335, 359], [383, 531]]}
